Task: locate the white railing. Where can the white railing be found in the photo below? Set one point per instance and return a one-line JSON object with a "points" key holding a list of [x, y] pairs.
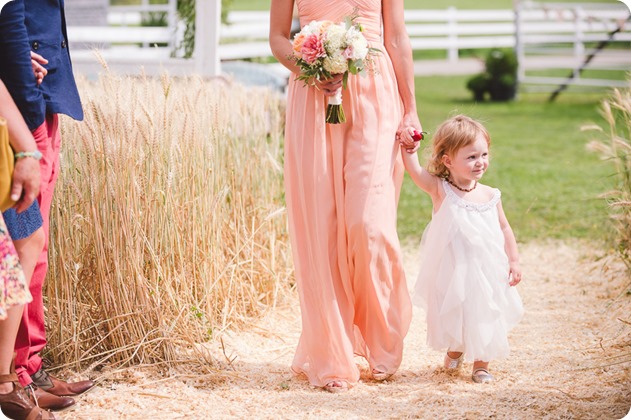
{"points": [[125, 37], [245, 35], [450, 30], [566, 37], [453, 30]]}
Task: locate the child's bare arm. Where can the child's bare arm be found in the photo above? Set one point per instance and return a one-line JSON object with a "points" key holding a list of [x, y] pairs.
{"points": [[510, 246], [423, 179]]}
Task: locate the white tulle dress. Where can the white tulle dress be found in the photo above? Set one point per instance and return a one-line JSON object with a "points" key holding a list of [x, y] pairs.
{"points": [[463, 280]]}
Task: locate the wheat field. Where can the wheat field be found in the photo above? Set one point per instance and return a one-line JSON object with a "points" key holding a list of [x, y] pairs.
{"points": [[614, 147], [168, 223]]}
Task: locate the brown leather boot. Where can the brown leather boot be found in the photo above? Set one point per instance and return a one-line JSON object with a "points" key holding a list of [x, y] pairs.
{"points": [[50, 401], [18, 404], [55, 386]]}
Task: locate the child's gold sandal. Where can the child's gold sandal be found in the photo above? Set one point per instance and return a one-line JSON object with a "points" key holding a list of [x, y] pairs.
{"points": [[453, 364], [482, 376]]}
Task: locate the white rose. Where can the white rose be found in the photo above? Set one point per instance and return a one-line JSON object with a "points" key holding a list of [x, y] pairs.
{"points": [[358, 42], [360, 48], [311, 28], [335, 39], [335, 63]]}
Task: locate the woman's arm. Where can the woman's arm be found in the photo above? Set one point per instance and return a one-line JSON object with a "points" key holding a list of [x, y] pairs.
{"points": [[397, 44], [510, 246], [281, 15], [26, 174]]}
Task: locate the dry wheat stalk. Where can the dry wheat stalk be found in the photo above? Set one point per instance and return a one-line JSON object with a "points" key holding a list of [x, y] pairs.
{"points": [[616, 111], [167, 224]]}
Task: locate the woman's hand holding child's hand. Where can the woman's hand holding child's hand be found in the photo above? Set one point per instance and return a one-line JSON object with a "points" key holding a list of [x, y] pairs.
{"points": [[405, 134]]}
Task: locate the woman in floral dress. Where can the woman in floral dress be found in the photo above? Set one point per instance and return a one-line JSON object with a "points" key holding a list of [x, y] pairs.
{"points": [[15, 402]]}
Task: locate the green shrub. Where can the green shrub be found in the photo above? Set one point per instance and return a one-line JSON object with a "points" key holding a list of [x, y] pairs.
{"points": [[500, 63], [479, 86], [499, 79]]}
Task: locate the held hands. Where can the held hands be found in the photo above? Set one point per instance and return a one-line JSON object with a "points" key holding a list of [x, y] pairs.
{"points": [[37, 62], [409, 125], [26, 183], [330, 86], [514, 273]]}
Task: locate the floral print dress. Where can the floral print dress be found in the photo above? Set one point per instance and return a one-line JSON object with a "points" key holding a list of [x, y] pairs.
{"points": [[13, 287]]}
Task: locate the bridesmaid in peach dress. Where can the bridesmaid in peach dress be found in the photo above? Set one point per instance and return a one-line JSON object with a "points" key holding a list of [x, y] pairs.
{"points": [[342, 185]]}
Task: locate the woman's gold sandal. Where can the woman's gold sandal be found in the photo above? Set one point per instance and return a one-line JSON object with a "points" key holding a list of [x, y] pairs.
{"points": [[482, 376], [336, 386], [380, 375]]}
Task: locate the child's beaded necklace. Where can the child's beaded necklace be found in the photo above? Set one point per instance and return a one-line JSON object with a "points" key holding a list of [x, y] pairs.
{"points": [[461, 189]]}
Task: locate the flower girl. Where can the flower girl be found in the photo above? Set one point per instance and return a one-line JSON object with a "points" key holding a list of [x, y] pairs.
{"points": [[469, 257]]}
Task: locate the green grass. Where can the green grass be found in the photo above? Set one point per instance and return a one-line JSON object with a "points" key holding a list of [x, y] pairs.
{"points": [[250, 5], [549, 182], [586, 74]]}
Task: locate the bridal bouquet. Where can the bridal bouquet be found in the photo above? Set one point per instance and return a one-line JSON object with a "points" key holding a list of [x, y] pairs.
{"points": [[323, 48]]}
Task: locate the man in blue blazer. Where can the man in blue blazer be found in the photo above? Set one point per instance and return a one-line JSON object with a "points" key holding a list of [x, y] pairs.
{"points": [[38, 26]]}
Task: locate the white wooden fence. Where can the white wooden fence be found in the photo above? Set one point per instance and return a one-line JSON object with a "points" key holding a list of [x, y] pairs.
{"points": [[245, 35], [534, 29], [563, 37], [125, 38]]}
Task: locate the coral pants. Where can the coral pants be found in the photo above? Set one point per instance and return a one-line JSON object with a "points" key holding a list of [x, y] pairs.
{"points": [[31, 337]]}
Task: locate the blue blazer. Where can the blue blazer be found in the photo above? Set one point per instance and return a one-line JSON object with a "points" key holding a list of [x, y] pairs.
{"points": [[44, 25]]}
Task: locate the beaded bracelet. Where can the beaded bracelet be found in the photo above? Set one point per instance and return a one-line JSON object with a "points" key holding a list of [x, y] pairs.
{"points": [[37, 155]]}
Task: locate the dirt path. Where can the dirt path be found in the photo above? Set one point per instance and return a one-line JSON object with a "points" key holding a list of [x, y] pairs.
{"points": [[570, 326]]}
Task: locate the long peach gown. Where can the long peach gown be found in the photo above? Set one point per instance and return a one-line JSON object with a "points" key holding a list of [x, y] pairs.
{"points": [[342, 186]]}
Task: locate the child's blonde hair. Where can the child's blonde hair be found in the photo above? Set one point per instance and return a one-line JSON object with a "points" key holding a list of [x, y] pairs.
{"points": [[452, 135]]}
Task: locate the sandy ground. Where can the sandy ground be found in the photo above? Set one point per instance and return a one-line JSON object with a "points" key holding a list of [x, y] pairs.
{"points": [[573, 327]]}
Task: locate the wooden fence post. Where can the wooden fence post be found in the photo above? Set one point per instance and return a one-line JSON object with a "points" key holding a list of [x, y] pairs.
{"points": [[579, 36], [452, 23], [172, 19], [207, 27], [519, 41]]}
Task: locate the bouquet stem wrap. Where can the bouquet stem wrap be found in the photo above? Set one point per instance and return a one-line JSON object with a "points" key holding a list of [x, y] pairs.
{"points": [[334, 110]]}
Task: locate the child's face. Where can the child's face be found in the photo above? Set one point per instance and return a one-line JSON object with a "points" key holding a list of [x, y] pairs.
{"points": [[469, 162]]}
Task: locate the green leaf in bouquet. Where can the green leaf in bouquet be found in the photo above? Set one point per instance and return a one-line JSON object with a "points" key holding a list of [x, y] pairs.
{"points": [[348, 22], [352, 67]]}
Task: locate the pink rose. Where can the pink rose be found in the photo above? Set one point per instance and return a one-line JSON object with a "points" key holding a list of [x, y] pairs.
{"points": [[312, 49], [348, 52]]}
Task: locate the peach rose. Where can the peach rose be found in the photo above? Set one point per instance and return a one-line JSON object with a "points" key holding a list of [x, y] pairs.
{"points": [[299, 40]]}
